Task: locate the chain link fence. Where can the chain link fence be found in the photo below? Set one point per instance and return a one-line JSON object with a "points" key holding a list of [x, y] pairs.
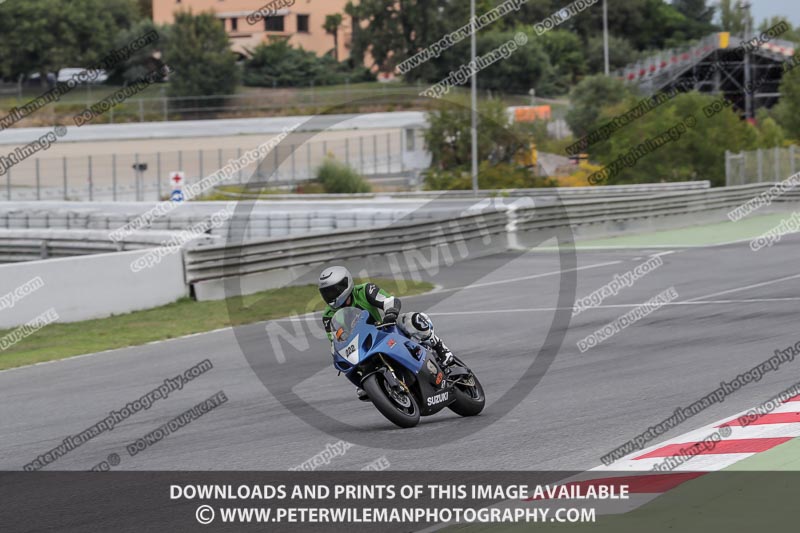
{"points": [[762, 165], [387, 157]]}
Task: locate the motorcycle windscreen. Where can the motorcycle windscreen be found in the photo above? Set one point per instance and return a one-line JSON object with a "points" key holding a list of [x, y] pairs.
{"points": [[344, 327]]}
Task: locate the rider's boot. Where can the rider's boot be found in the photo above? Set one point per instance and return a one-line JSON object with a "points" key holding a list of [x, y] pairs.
{"points": [[442, 351], [362, 394]]}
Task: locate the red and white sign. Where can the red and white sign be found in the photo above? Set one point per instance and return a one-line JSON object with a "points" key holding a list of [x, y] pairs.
{"points": [[176, 179]]}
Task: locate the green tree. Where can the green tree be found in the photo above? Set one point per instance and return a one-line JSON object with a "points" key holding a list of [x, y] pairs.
{"points": [[620, 53], [588, 99], [696, 10], [490, 176], [698, 154], [646, 24], [733, 17], [331, 27], [791, 33], [47, 35], [787, 112], [525, 68], [145, 60], [449, 139], [278, 64], [770, 134], [395, 31], [337, 177], [199, 52], [146, 8], [565, 52]]}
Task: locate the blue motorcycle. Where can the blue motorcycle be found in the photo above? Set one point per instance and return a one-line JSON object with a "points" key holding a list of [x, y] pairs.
{"points": [[402, 378]]}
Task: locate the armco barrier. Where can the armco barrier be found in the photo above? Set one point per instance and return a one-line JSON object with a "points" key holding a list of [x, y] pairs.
{"points": [[215, 271], [98, 285], [595, 218], [398, 248], [298, 214], [606, 191], [33, 244], [92, 286], [267, 219]]}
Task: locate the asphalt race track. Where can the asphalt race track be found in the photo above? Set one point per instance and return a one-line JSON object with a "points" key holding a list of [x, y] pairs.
{"points": [[735, 308]]}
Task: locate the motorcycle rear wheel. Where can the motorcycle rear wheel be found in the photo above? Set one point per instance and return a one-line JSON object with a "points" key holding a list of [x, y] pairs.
{"points": [[405, 416]]}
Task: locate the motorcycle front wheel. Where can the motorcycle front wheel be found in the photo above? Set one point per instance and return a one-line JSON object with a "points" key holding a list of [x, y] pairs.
{"points": [[400, 408], [470, 398]]}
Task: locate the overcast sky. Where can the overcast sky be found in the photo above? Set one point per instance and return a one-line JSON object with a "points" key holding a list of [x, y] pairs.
{"points": [[767, 8], [763, 9]]}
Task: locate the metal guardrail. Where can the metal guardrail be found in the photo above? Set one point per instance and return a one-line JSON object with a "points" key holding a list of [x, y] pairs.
{"points": [[277, 218], [31, 245], [208, 261], [624, 209], [205, 262], [563, 192]]}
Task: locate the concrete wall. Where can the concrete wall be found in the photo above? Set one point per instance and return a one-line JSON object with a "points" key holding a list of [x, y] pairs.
{"points": [[94, 286]]}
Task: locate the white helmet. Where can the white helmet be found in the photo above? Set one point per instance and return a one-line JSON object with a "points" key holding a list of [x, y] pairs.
{"points": [[335, 285]]}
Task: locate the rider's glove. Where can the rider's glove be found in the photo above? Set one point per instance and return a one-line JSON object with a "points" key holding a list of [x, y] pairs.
{"points": [[390, 316]]}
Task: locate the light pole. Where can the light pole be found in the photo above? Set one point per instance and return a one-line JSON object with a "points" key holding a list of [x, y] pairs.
{"points": [[748, 95], [605, 37], [474, 102]]}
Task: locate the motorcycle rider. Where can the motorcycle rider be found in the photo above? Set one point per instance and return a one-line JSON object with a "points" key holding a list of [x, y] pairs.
{"points": [[337, 288]]}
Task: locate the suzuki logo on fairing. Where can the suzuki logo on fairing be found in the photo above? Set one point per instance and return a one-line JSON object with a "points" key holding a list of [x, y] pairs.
{"points": [[438, 398]]}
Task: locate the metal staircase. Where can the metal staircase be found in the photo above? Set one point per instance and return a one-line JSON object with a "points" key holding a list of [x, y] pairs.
{"points": [[715, 64]]}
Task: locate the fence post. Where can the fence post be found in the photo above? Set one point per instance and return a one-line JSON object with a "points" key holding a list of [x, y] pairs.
{"points": [[158, 175], [374, 153], [347, 151], [114, 176], [166, 108], [136, 176], [141, 110], [38, 182], [760, 157], [777, 164], [361, 153], [294, 176], [91, 184], [200, 162], [238, 157], [308, 160], [64, 174], [791, 160], [275, 176], [388, 153], [180, 160], [403, 148], [727, 168]]}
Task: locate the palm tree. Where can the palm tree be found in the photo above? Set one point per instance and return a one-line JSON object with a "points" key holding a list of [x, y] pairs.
{"points": [[332, 23]]}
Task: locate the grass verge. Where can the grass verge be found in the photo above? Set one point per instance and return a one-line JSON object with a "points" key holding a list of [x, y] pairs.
{"points": [[183, 317]]}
